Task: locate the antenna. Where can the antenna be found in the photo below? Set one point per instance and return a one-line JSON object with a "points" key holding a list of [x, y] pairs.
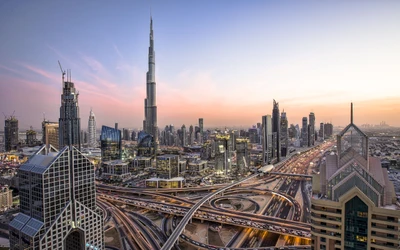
{"points": [[351, 113], [62, 71]]}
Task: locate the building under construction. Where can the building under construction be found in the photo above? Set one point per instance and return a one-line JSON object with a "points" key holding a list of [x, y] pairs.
{"points": [[11, 133]]}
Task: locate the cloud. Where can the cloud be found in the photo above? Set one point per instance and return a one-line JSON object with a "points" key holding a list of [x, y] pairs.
{"points": [[118, 52], [93, 63]]}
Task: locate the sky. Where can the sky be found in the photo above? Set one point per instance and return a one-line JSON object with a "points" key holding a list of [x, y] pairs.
{"points": [[224, 61]]}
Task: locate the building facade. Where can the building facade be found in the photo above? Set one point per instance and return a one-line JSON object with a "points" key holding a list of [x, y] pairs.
{"points": [[201, 126], [183, 136], [115, 170], [69, 121], [242, 156], [267, 139], [6, 199], [10, 133], [167, 166], [111, 144], [150, 106], [92, 136], [311, 134], [328, 130], [276, 132], [50, 134], [353, 203], [284, 134], [57, 203], [31, 137], [304, 132]]}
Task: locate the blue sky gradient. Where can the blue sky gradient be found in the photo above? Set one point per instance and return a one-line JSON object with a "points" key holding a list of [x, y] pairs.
{"points": [[221, 60]]}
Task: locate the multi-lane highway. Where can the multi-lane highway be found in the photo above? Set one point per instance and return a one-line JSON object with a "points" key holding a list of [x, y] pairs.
{"points": [[282, 214]]}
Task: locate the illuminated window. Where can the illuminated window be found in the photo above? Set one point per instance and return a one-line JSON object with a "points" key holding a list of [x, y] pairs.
{"points": [[362, 214], [361, 238]]}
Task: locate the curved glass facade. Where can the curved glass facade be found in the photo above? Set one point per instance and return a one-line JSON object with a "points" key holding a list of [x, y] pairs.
{"points": [[110, 140]]}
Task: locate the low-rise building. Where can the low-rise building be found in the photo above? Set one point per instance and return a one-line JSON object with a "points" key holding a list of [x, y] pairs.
{"points": [[116, 170], [6, 200]]}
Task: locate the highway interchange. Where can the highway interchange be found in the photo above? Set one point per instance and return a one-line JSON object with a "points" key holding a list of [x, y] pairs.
{"points": [[281, 223]]}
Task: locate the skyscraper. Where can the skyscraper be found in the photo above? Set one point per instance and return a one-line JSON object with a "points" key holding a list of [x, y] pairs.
{"points": [[266, 139], [69, 121], [110, 143], [311, 135], [304, 132], [184, 136], [276, 131], [242, 156], [57, 203], [92, 129], [201, 124], [328, 130], [353, 205], [150, 108], [11, 133], [321, 131], [284, 134], [191, 135]]}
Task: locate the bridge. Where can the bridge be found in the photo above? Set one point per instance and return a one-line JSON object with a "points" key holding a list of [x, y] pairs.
{"points": [[291, 175], [182, 224]]}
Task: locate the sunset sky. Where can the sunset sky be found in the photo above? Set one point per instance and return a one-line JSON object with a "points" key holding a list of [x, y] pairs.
{"points": [[224, 61]]}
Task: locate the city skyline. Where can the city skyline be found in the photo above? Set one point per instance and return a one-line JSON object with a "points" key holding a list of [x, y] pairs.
{"points": [[226, 67]]}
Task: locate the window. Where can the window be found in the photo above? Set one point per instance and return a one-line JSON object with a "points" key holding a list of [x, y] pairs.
{"points": [[361, 238]]}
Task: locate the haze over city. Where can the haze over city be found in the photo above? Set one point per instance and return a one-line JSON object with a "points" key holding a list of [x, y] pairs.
{"points": [[222, 61]]}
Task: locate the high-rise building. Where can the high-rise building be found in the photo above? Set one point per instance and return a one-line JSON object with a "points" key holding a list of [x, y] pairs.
{"points": [[253, 135], [201, 126], [57, 203], [292, 132], [133, 135], [304, 132], [311, 134], [11, 133], [69, 121], [267, 139], [150, 107], [242, 156], [284, 134], [126, 134], [184, 136], [276, 132], [31, 137], [222, 154], [321, 131], [353, 205], [110, 143], [191, 135], [84, 137], [50, 134], [328, 130], [92, 140]]}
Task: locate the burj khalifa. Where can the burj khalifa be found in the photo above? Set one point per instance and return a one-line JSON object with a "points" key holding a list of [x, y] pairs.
{"points": [[150, 107]]}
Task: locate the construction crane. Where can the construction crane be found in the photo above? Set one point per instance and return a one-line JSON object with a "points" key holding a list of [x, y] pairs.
{"points": [[62, 71]]}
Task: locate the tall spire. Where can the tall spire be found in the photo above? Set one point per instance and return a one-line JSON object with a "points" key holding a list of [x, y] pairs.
{"points": [[351, 113], [150, 106]]}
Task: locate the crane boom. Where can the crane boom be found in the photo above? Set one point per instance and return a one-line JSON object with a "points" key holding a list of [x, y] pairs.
{"points": [[62, 71]]}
